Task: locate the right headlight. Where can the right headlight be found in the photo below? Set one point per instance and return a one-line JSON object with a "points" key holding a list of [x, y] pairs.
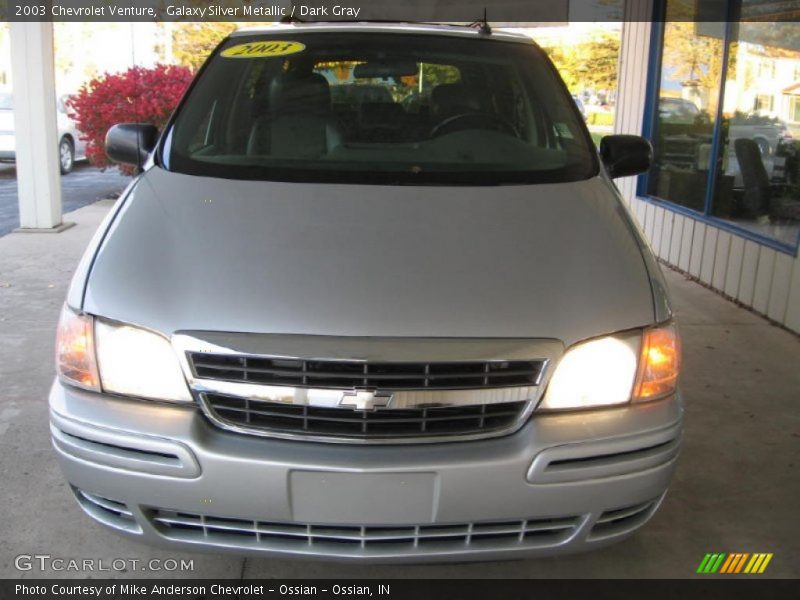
{"points": [[615, 370]]}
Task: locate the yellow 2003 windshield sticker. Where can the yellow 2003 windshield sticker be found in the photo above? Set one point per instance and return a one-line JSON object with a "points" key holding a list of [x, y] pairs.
{"points": [[263, 49]]}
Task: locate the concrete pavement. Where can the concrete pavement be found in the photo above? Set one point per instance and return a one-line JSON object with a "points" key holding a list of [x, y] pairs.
{"points": [[736, 488]]}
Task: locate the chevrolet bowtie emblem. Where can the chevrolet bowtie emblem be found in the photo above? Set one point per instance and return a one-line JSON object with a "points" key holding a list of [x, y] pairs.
{"points": [[365, 399]]}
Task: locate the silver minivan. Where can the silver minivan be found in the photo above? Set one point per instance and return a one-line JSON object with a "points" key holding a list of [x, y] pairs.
{"points": [[373, 296]]}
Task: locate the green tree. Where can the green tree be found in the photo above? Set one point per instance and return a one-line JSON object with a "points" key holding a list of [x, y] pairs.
{"points": [[192, 42], [590, 63], [691, 58]]}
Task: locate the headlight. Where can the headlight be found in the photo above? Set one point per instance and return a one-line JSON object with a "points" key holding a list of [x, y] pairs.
{"points": [[75, 358], [121, 359], [140, 363], [616, 370]]}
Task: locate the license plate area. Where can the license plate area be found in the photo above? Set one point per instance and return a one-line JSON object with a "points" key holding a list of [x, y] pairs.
{"points": [[362, 498]]}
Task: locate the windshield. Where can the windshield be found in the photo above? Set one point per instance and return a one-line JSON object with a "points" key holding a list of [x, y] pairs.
{"points": [[379, 108]]}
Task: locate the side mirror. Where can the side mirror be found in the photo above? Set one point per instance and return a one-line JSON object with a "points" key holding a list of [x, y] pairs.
{"points": [[131, 143], [625, 155]]}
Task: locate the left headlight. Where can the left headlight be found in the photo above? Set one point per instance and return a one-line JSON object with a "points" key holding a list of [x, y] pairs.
{"points": [[631, 367], [136, 362]]}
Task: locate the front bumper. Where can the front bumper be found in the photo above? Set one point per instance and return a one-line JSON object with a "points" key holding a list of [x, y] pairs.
{"points": [[563, 483]]}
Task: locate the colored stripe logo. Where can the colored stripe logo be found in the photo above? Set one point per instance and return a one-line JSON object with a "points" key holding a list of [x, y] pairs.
{"points": [[737, 562]]}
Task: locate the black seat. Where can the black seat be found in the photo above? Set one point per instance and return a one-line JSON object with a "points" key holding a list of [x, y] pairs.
{"points": [[301, 123]]}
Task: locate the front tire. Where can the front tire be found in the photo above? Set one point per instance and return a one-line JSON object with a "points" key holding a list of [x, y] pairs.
{"points": [[66, 156]]}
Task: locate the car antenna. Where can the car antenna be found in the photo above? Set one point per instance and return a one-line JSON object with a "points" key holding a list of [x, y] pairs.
{"points": [[483, 25]]}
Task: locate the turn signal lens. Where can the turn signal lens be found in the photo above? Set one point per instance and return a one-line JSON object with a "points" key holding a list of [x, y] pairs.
{"points": [[659, 364], [75, 357]]}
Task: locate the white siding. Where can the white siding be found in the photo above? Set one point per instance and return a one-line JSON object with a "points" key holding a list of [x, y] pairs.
{"points": [[764, 279], [766, 264], [747, 279], [677, 238], [733, 274], [781, 282], [721, 260], [686, 244], [793, 305], [696, 258], [709, 251]]}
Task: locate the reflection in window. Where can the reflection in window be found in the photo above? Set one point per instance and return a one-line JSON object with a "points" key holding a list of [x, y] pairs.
{"points": [[691, 72], [757, 172], [726, 144]]}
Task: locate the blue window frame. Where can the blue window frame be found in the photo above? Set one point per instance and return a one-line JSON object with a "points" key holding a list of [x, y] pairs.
{"points": [[650, 124]]}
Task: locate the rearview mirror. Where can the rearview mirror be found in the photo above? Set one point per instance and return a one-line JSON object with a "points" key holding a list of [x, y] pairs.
{"points": [[131, 143], [383, 69], [625, 155]]}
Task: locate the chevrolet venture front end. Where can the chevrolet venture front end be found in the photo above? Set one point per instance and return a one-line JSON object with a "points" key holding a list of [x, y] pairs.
{"points": [[373, 296]]}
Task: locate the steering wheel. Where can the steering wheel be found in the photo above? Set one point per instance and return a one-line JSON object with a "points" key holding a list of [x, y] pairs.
{"points": [[474, 120]]}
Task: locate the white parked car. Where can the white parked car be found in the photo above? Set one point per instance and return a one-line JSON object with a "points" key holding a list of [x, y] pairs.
{"points": [[70, 146]]}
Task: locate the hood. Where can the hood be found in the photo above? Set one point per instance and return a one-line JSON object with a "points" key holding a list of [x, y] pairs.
{"points": [[540, 261]]}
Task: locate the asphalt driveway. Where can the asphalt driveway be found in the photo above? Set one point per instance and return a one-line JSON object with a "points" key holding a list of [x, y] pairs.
{"points": [[83, 186]]}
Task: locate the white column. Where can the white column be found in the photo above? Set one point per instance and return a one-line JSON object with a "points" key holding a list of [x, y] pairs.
{"points": [[632, 77], [35, 126]]}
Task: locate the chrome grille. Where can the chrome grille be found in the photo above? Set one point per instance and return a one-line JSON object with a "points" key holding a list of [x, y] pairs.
{"points": [[364, 424], [350, 374], [357, 539]]}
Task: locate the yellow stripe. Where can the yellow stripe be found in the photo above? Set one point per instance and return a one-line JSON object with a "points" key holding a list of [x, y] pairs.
{"points": [[726, 564], [753, 562], [741, 562], [765, 563], [760, 558]]}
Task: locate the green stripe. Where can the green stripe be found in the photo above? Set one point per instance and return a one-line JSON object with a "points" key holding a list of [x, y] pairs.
{"points": [[718, 564], [702, 567], [711, 562]]}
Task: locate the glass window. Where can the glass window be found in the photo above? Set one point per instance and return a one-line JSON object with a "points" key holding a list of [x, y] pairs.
{"points": [[724, 141], [381, 108], [691, 71], [757, 173]]}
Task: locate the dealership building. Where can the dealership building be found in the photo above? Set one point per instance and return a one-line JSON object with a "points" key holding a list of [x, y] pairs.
{"points": [[720, 101], [719, 97]]}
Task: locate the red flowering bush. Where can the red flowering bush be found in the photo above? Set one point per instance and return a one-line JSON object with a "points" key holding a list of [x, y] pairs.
{"points": [[137, 95]]}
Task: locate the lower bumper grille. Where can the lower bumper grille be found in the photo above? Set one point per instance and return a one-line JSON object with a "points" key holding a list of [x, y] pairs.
{"points": [[363, 424], [622, 520], [111, 512], [339, 538]]}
